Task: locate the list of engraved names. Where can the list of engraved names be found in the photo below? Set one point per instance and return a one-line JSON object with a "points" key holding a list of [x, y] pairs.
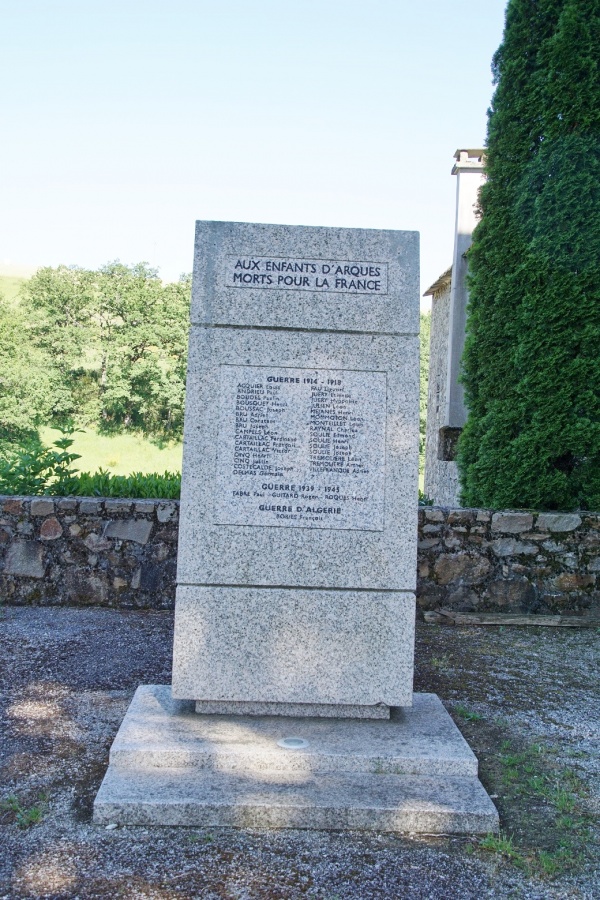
{"points": [[301, 447]]}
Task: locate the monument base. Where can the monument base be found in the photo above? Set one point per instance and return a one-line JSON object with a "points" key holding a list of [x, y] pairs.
{"points": [[411, 773], [293, 710]]}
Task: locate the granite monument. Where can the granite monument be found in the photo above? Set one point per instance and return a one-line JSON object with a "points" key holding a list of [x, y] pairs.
{"points": [[292, 699]]}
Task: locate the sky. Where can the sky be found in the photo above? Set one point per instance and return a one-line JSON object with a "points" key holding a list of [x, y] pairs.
{"points": [[126, 121]]}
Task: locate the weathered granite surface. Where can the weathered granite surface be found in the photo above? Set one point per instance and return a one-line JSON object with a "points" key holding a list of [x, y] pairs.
{"points": [[377, 558], [296, 710], [218, 300], [421, 739], [300, 468], [259, 645]]}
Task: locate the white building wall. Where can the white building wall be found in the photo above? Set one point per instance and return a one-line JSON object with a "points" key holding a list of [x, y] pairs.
{"points": [[441, 477], [446, 411]]}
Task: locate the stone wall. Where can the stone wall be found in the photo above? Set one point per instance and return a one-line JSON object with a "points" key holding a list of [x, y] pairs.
{"points": [[478, 559], [83, 551], [79, 551]]}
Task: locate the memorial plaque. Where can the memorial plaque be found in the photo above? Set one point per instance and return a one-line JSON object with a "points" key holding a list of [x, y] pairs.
{"points": [[298, 274], [301, 448]]}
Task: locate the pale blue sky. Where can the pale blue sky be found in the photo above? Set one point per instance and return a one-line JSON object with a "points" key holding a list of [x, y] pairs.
{"points": [[126, 121]]}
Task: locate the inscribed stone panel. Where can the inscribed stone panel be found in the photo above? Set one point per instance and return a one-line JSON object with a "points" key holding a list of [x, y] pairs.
{"points": [[301, 448]]}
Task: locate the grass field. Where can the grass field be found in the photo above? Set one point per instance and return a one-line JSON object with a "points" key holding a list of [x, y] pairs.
{"points": [[121, 454], [10, 286]]}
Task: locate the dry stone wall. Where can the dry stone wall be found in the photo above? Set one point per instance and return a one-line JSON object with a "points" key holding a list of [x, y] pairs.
{"points": [[88, 551], [508, 561], [122, 553]]}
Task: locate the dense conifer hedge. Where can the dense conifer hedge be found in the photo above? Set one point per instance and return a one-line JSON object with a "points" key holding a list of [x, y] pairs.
{"points": [[532, 357]]}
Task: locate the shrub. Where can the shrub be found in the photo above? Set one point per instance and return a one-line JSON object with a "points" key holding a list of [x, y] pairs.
{"points": [[531, 363]]}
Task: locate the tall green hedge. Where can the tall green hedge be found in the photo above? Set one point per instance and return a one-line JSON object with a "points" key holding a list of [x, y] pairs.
{"points": [[531, 366]]}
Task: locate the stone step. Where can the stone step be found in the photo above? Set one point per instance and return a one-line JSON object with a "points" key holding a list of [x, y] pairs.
{"points": [[189, 797], [164, 733]]}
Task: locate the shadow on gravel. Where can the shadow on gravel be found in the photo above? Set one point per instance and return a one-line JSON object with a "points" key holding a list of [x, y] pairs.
{"points": [[526, 699]]}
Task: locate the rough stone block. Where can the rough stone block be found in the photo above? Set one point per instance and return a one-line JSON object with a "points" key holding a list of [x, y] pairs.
{"points": [[293, 646], [511, 522], [13, 506], [90, 507], [461, 516], [51, 529], [67, 504], [569, 581], [461, 567], [428, 543], [137, 530], [42, 507], [515, 593], [113, 506], [145, 506], [25, 558], [558, 522], [86, 589], [166, 512], [510, 547], [96, 543]]}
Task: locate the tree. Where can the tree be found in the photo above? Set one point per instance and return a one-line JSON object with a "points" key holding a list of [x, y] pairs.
{"points": [[531, 366], [30, 385], [118, 339]]}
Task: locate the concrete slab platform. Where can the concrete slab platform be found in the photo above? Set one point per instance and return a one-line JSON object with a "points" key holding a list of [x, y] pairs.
{"points": [[171, 766]]}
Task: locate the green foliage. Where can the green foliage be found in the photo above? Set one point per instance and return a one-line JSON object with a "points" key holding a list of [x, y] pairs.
{"points": [[468, 714], [115, 340], [30, 468], [552, 794], [30, 387], [503, 845], [153, 486], [531, 363], [24, 817]]}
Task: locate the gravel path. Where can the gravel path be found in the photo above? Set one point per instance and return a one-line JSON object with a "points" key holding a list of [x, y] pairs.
{"points": [[526, 699]]}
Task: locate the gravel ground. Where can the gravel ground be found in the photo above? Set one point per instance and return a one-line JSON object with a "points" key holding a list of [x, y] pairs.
{"points": [[526, 699]]}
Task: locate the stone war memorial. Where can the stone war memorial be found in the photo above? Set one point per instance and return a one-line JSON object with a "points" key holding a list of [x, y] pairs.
{"points": [[292, 702]]}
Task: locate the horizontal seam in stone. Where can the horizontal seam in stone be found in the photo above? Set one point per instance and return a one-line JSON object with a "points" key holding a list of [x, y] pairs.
{"points": [[307, 330], [294, 587]]}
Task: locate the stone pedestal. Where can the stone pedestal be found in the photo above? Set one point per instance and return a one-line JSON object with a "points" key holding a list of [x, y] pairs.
{"points": [[295, 606], [170, 766]]}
